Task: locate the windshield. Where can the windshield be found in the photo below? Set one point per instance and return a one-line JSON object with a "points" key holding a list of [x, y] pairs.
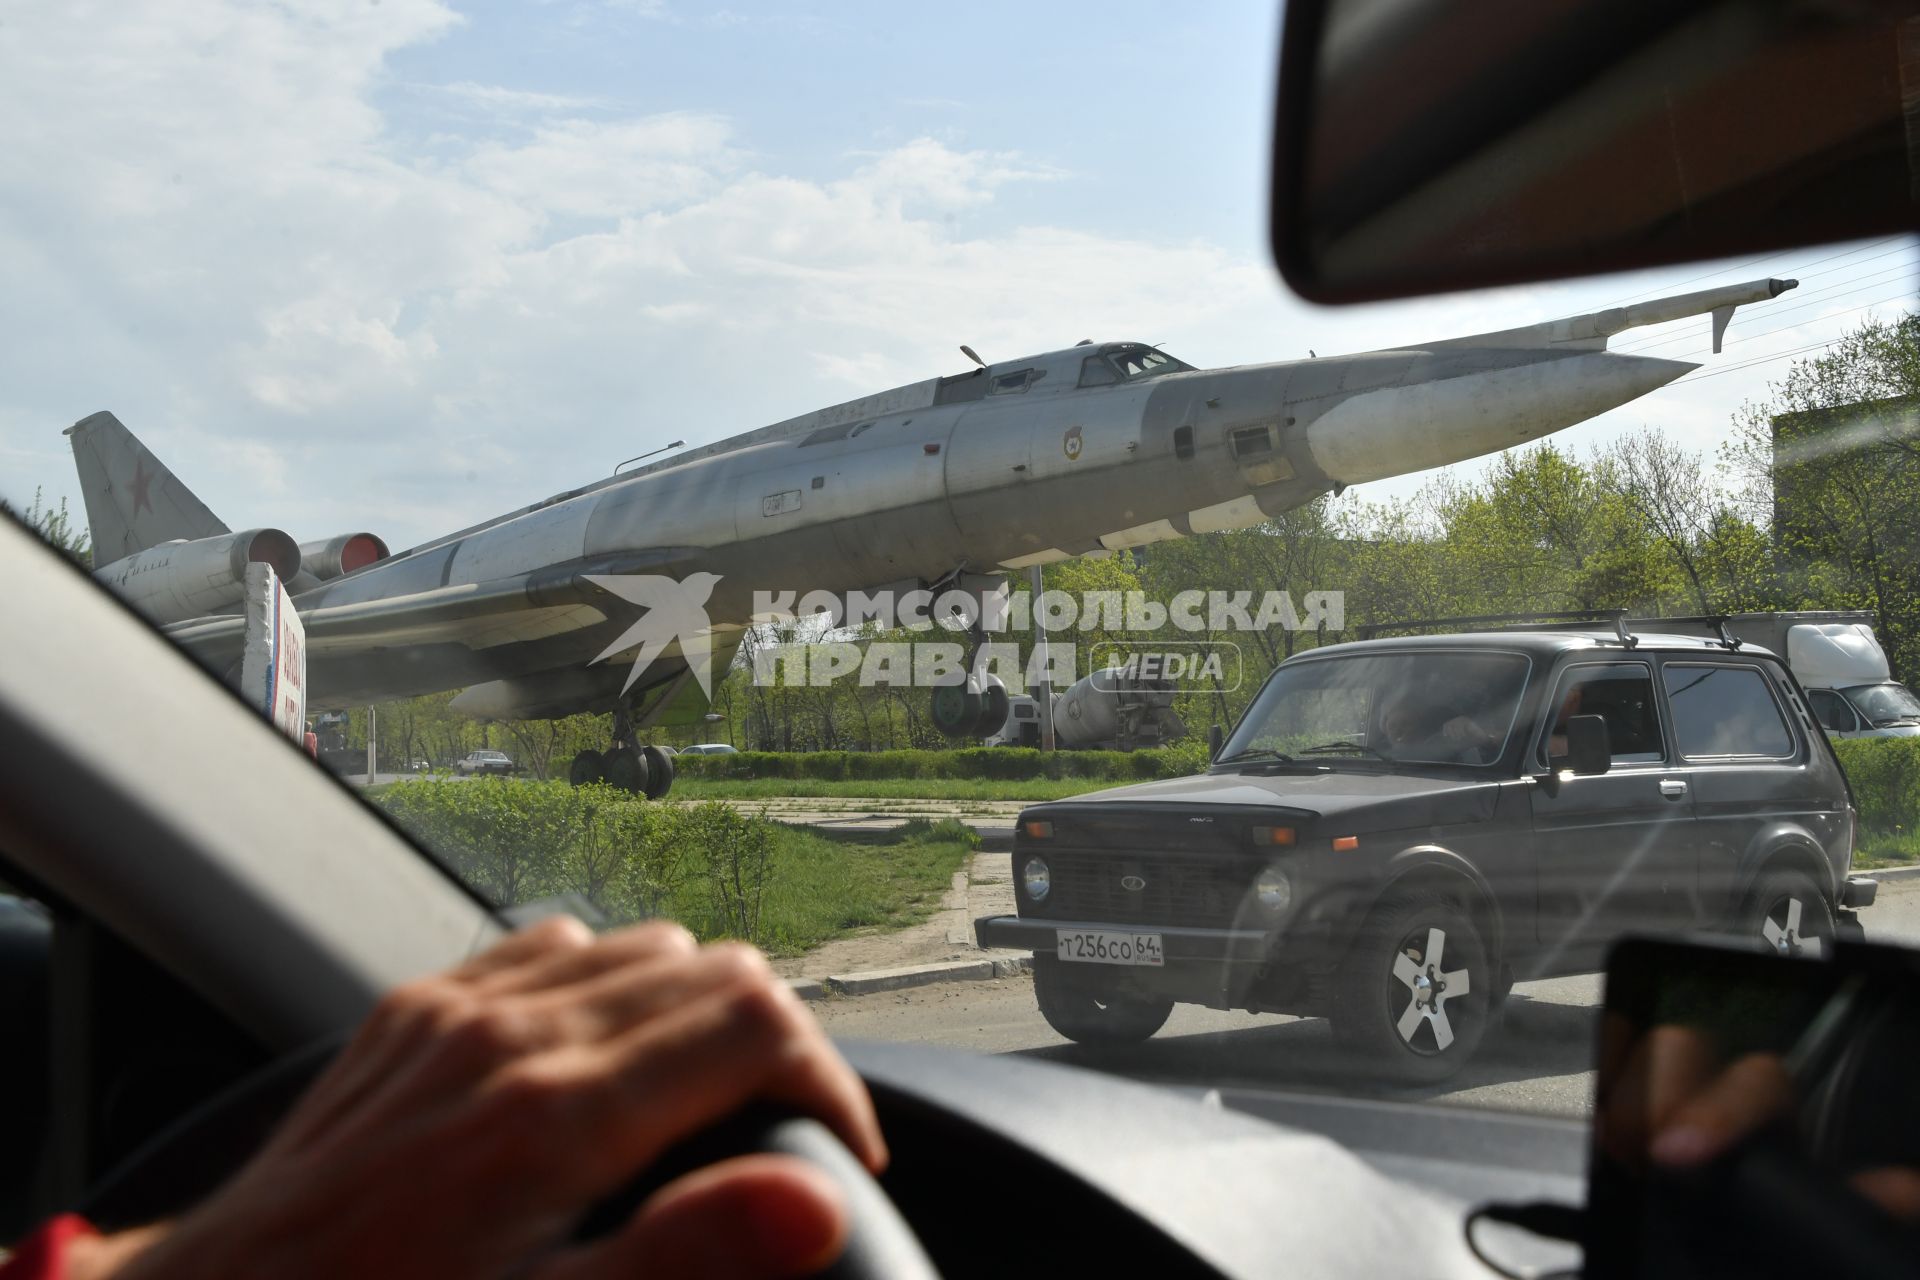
{"points": [[1884, 704], [327, 331], [1414, 708], [1135, 363]]}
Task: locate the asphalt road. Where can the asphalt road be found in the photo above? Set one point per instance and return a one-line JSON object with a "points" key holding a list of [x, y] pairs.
{"points": [[1538, 1059]]}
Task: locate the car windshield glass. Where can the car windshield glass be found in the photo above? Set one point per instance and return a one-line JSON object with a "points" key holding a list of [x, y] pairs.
{"points": [[1419, 707], [585, 408], [1884, 703]]}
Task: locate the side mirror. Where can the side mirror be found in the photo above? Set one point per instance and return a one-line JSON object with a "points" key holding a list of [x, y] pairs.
{"points": [[1216, 738], [1588, 747]]}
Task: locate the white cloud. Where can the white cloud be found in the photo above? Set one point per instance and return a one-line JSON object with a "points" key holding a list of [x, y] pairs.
{"points": [[211, 229], [500, 98]]}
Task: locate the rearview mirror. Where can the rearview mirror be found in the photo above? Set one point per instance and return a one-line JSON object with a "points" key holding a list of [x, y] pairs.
{"points": [[1588, 748], [1215, 740], [1428, 147]]}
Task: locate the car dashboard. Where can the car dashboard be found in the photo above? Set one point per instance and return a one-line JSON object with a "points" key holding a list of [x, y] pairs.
{"points": [[1014, 1166]]}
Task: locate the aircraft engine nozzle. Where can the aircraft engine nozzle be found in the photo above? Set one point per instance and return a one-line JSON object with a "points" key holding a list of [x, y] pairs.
{"points": [[1394, 431], [189, 578]]}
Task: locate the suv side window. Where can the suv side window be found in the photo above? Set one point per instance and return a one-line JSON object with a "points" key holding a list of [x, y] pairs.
{"points": [[1622, 694], [1726, 711], [1832, 711]]}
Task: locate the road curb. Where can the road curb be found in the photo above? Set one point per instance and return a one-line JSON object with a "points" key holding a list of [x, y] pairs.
{"points": [[871, 981], [1890, 873]]}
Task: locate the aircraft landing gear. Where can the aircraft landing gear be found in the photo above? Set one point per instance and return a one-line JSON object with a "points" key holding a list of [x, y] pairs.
{"points": [[975, 709], [626, 764], [978, 707]]}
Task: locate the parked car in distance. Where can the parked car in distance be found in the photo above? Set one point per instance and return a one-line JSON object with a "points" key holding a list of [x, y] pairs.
{"points": [[1398, 830], [709, 749], [485, 762]]}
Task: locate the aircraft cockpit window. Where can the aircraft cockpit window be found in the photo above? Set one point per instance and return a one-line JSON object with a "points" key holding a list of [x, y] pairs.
{"points": [[1009, 383], [1135, 363], [1096, 372]]}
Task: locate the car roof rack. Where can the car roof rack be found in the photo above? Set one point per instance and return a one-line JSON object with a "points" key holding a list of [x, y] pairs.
{"points": [[1565, 619], [1716, 622], [1624, 627]]}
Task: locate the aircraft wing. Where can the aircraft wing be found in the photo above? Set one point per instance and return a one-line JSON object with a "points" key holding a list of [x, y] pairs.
{"points": [[477, 615]]}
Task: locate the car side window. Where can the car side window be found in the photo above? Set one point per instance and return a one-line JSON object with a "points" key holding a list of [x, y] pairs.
{"points": [[1726, 711], [1621, 693], [1832, 711]]}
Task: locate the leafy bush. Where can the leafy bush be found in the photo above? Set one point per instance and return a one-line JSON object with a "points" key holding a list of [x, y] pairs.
{"points": [[517, 841], [998, 763], [720, 872], [1885, 775]]}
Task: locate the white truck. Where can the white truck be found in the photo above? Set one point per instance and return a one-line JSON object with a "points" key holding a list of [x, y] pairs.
{"points": [[1837, 659]]}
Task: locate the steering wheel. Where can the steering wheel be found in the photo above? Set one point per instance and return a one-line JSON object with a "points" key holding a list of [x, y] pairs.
{"points": [[193, 1156]]}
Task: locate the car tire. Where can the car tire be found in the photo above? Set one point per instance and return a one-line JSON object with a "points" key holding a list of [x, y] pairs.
{"points": [[587, 768], [1386, 1007], [626, 769], [1084, 1015], [659, 772], [1788, 914]]}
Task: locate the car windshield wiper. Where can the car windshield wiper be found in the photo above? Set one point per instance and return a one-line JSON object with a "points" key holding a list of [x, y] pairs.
{"points": [[1361, 748], [1256, 753]]}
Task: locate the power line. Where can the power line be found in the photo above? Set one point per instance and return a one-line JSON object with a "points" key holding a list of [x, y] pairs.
{"points": [[1748, 364], [1756, 262], [1750, 337], [1825, 297]]}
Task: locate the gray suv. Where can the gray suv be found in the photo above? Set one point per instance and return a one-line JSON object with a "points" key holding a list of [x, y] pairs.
{"points": [[1397, 830]]}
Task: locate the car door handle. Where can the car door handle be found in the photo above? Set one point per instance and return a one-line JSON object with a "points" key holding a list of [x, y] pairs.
{"points": [[1672, 788]]}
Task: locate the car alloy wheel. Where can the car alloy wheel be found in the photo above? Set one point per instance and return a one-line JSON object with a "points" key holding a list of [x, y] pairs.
{"points": [[1789, 916], [1424, 1021], [1413, 996]]}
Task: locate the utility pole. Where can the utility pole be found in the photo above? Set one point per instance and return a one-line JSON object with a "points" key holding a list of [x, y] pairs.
{"points": [[1046, 669], [372, 736]]}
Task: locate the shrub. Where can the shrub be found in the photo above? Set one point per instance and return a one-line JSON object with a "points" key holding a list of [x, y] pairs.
{"points": [[1885, 776], [1007, 764], [517, 840]]}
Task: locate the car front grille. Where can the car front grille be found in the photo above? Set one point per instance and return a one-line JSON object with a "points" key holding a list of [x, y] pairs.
{"points": [[1202, 893]]}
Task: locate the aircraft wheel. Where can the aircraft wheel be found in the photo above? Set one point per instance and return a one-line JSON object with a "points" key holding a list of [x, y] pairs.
{"points": [[993, 710], [659, 772], [587, 767], [955, 710], [627, 769]]}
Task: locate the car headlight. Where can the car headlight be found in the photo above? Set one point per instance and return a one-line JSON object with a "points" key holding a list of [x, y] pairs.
{"points": [[1274, 889], [1036, 878]]}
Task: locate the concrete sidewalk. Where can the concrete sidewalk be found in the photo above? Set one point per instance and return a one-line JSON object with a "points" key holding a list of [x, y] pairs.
{"points": [[940, 949], [993, 819]]}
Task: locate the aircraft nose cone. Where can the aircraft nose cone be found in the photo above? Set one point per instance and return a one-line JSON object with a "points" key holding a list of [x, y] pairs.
{"points": [[1394, 431]]}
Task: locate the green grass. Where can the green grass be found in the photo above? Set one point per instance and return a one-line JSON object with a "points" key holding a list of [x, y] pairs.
{"points": [[828, 884], [888, 788], [1886, 849]]}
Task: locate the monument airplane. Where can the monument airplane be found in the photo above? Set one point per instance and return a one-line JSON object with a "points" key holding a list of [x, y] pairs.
{"points": [[951, 482]]}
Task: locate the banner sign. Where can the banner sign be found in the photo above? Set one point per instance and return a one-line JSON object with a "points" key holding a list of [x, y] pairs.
{"points": [[273, 670]]}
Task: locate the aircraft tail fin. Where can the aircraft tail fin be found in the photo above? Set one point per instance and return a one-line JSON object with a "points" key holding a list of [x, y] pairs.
{"points": [[133, 501]]}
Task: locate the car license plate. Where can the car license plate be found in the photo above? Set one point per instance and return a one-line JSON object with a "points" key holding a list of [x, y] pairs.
{"points": [[1098, 946]]}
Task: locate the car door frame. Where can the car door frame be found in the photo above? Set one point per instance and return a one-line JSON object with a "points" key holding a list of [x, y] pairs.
{"points": [[1574, 847], [1744, 809]]}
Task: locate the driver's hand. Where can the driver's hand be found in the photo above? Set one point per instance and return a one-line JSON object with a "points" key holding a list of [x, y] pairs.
{"points": [[1676, 1107], [477, 1114], [1464, 731]]}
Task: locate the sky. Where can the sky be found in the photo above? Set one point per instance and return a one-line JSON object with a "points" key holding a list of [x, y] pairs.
{"points": [[400, 265]]}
